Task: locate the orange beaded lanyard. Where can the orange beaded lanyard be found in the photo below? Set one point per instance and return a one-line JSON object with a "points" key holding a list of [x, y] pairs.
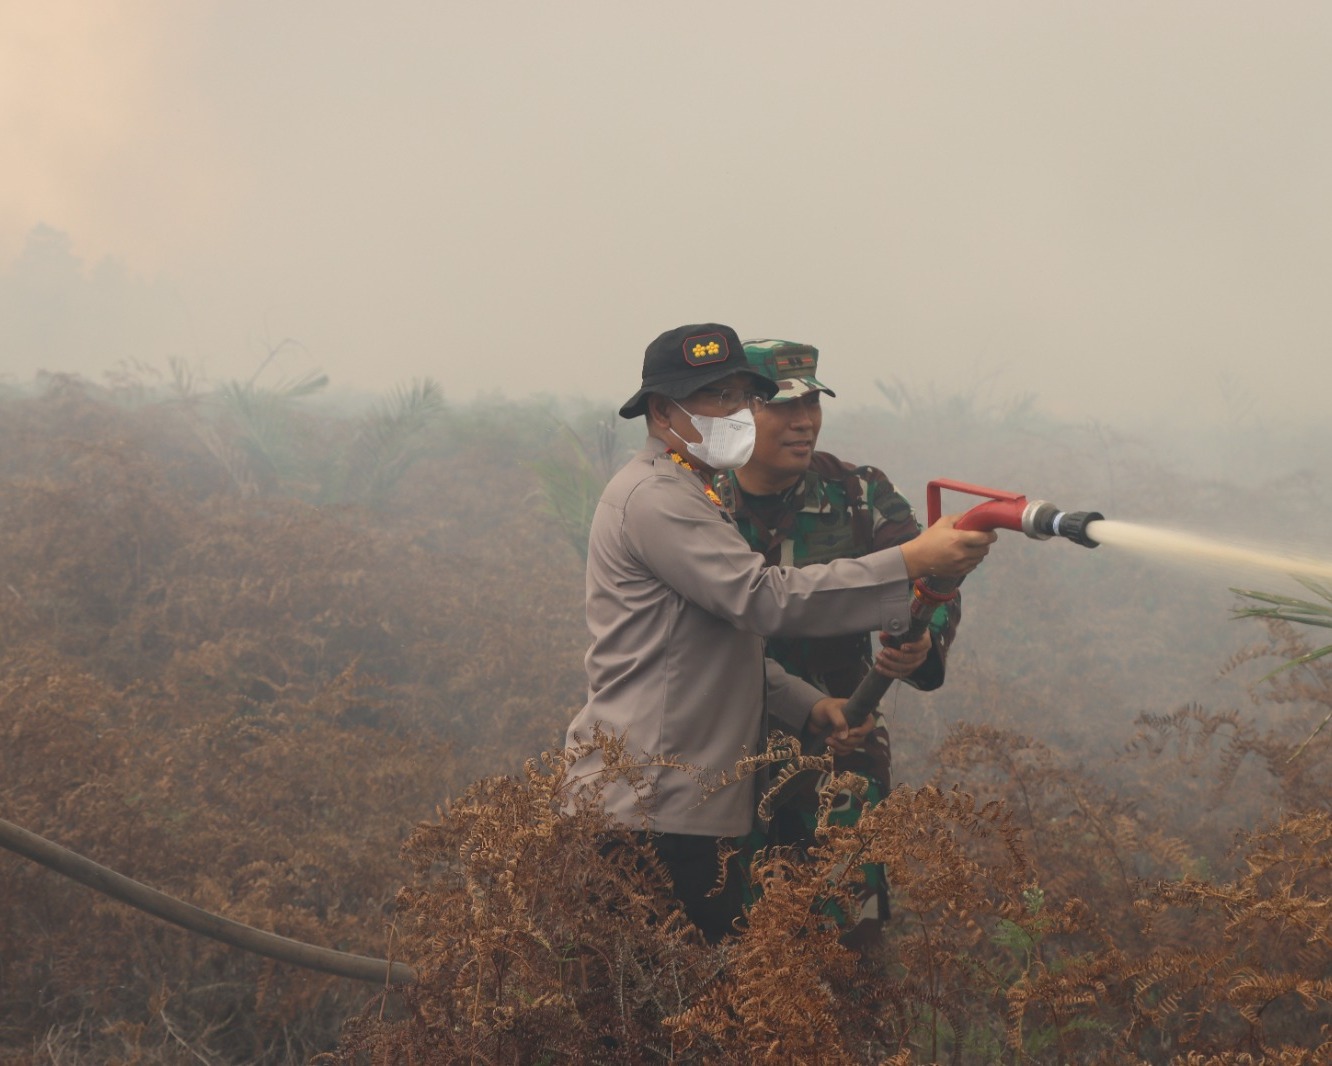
{"points": [[676, 457]]}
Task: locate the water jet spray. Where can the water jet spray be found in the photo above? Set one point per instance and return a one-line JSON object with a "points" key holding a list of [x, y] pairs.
{"points": [[1001, 510]]}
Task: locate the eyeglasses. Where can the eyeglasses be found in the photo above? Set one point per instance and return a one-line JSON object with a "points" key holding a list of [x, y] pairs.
{"points": [[731, 398]]}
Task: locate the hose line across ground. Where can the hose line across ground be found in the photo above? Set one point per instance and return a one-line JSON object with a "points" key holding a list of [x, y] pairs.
{"points": [[188, 916]]}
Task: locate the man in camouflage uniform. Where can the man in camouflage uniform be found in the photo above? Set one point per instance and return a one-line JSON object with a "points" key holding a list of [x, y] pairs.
{"points": [[795, 506]]}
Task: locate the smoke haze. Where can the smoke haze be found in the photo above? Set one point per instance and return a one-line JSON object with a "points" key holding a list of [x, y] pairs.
{"points": [[1085, 249], [1119, 209]]}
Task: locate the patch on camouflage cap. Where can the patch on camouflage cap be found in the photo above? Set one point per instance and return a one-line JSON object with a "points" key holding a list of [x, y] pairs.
{"points": [[706, 348], [790, 364]]}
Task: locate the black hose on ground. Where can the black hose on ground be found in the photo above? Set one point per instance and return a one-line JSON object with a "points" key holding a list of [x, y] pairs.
{"points": [[196, 920]]}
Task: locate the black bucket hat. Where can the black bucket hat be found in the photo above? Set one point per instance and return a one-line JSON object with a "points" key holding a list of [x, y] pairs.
{"points": [[683, 360]]}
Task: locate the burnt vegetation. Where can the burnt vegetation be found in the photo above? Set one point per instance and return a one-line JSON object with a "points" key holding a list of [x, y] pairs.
{"points": [[310, 667]]}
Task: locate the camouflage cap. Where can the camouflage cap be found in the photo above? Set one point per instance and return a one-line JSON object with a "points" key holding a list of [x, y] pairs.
{"points": [[788, 363], [683, 360]]}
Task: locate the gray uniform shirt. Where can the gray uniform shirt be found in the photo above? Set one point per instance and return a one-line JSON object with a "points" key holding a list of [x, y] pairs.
{"points": [[678, 606]]}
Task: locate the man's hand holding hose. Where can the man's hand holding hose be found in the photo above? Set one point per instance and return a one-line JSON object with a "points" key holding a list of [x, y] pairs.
{"points": [[900, 661], [829, 725], [942, 551]]}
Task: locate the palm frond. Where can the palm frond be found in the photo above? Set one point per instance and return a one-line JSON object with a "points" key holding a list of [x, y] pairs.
{"points": [[391, 439], [1291, 609], [572, 479], [263, 418]]}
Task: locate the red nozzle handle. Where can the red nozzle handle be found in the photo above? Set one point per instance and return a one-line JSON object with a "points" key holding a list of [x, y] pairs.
{"points": [[986, 516]]}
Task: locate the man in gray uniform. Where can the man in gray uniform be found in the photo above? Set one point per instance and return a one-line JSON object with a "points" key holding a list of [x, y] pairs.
{"points": [[678, 606]]}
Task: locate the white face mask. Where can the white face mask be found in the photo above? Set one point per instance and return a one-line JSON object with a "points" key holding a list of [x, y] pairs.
{"points": [[727, 442]]}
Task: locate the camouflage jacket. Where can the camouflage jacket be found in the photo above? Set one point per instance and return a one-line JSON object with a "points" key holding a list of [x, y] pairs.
{"points": [[835, 511]]}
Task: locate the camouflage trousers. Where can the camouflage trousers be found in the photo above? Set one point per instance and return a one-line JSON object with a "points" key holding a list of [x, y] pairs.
{"points": [[795, 818]]}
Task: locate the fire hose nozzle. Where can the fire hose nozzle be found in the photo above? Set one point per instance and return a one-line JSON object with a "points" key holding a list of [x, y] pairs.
{"points": [[1009, 510], [1042, 520]]}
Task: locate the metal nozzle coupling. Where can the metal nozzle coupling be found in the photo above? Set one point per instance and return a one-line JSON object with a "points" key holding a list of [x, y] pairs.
{"points": [[1042, 520]]}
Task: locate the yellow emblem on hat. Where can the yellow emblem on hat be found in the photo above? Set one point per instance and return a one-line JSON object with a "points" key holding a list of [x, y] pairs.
{"points": [[704, 348]]}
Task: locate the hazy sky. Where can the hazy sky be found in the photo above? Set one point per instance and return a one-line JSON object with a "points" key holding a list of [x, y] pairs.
{"points": [[1122, 207]]}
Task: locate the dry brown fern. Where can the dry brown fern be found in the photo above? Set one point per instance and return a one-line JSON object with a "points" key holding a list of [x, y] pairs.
{"points": [[535, 928], [1255, 971]]}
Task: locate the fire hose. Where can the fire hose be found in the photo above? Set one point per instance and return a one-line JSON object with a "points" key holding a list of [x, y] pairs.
{"points": [[1002, 510], [197, 920]]}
